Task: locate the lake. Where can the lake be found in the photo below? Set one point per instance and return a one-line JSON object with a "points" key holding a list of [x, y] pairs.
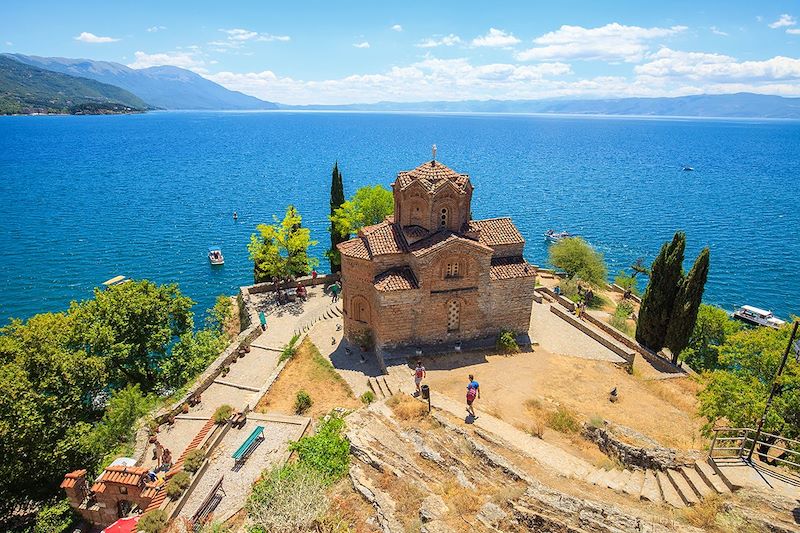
{"points": [[86, 198]]}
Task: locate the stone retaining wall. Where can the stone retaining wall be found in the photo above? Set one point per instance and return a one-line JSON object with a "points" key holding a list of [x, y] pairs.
{"points": [[654, 457], [563, 300]]}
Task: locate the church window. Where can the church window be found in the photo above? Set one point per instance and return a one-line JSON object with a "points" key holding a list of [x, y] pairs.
{"points": [[453, 312], [452, 270], [443, 219]]}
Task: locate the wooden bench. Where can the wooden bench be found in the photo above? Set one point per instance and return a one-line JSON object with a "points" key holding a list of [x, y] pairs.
{"points": [[238, 420], [248, 447], [208, 506]]}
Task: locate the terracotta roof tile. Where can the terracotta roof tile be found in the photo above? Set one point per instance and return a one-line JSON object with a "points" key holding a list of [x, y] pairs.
{"points": [[71, 479], [432, 175], [383, 238], [511, 267], [396, 280], [123, 475], [497, 231], [438, 240], [353, 248]]}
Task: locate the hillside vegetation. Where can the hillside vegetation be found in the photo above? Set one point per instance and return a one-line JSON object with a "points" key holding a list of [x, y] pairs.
{"points": [[28, 89]]}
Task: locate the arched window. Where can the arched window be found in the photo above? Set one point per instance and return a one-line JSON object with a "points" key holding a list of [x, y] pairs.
{"points": [[452, 270], [453, 315], [443, 218]]}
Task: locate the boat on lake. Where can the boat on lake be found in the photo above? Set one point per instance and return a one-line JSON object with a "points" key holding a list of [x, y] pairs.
{"points": [[555, 236], [687, 168], [116, 280], [757, 317], [215, 256]]}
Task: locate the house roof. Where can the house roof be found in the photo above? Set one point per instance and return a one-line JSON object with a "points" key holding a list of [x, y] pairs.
{"points": [[398, 279], [497, 231], [379, 239], [510, 268], [439, 240], [432, 175], [122, 475], [72, 478], [354, 248]]}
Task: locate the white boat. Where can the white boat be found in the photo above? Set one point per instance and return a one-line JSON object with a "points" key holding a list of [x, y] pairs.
{"points": [[116, 280], [687, 169], [555, 236], [215, 256], [758, 317]]}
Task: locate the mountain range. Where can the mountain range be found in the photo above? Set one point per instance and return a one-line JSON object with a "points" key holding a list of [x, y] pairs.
{"points": [[163, 87], [88, 82]]}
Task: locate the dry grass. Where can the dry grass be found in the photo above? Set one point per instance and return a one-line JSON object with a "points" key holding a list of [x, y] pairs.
{"points": [[348, 512], [407, 408], [563, 420], [308, 370], [704, 514], [507, 494], [460, 499]]}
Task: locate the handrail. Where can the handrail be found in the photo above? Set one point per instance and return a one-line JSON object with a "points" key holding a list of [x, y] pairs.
{"points": [[745, 437]]}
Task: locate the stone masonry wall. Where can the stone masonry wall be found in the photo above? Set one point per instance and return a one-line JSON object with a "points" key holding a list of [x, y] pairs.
{"points": [[512, 300]]}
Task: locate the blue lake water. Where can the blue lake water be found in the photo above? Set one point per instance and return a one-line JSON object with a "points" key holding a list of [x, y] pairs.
{"points": [[87, 198]]}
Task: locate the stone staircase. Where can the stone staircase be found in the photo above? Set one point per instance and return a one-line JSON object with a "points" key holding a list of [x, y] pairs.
{"points": [[332, 312], [678, 487], [381, 387]]}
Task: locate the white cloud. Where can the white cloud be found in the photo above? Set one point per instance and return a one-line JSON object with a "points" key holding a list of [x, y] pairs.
{"points": [[187, 60], [397, 27], [783, 21], [363, 44], [238, 37], [717, 31], [793, 31], [433, 42], [495, 38], [612, 42], [718, 68], [87, 37], [9, 43], [153, 29]]}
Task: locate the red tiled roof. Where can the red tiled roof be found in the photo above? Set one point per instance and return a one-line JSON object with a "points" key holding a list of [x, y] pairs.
{"points": [[353, 248], [432, 175], [511, 267], [120, 474], [379, 239], [72, 478], [396, 280], [497, 231], [440, 239]]}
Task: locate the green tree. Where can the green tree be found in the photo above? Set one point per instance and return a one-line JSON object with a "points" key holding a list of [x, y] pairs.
{"points": [[711, 329], [190, 356], [132, 326], [736, 393], [45, 406], [281, 249], [337, 199], [659, 296], [56, 517], [686, 305], [627, 281], [369, 205], [579, 260], [218, 317]]}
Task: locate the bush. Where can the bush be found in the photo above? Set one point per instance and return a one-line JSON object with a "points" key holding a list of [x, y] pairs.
{"points": [[563, 420], [302, 402], [287, 499], [624, 309], [327, 451], [368, 397], [177, 484], [507, 342], [54, 518], [289, 349], [621, 324], [153, 522], [223, 413], [193, 460]]}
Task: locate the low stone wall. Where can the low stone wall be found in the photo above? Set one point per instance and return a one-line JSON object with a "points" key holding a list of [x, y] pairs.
{"points": [[653, 457], [305, 281], [627, 355], [563, 300], [616, 288]]}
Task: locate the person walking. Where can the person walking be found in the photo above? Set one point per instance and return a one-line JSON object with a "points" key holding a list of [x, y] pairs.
{"points": [[419, 375], [335, 288], [314, 275], [473, 392]]}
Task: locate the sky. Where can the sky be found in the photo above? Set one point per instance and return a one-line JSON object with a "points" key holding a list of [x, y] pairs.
{"points": [[304, 52]]}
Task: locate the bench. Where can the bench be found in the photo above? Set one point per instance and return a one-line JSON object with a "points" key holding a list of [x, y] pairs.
{"points": [[248, 447], [208, 506], [238, 420]]}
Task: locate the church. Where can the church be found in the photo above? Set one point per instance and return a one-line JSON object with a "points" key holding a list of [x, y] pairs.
{"points": [[429, 275]]}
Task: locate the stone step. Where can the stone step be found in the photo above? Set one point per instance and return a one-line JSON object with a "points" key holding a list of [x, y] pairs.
{"points": [[668, 491], [335, 311], [713, 480], [612, 479], [650, 489], [634, 483], [682, 487], [595, 477], [698, 484], [375, 385], [389, 390]]}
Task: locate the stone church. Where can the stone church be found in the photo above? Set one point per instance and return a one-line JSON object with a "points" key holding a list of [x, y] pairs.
{"points": [[429, 275]]}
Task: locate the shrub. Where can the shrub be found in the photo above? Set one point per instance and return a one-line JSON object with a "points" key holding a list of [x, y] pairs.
{"points": [[223, 413], [193, 460], [327, 451], [177, 484], [624, 309], [507, 342], [289, 349], [621, 324], [54, 518], [153, 522], [368, 397], [579, 260], [302, 402], [626, 281], [407, 408], [287, 499], [537, 427], [563, 420]]}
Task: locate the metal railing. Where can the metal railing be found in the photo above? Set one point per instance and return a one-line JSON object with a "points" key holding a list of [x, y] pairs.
{"points": [[736, 443]]}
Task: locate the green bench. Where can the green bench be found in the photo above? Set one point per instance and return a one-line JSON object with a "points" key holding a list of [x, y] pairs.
{"points": [[248, 447]]}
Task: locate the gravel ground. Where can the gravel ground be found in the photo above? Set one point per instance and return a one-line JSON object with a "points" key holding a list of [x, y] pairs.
{"points": [[175, 437]]}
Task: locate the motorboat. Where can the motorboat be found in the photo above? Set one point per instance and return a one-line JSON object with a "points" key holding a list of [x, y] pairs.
{"points": [[758, 317], [555, 236], [116, 280], [687, 168], [215, 256]]}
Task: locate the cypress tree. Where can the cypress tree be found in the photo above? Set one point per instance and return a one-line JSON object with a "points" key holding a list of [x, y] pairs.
{"points": [[687, 303], [659, 296], [337, 199]]}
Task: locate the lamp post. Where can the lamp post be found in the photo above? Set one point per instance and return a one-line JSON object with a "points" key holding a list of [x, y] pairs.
{"points": [[789, 346]]}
